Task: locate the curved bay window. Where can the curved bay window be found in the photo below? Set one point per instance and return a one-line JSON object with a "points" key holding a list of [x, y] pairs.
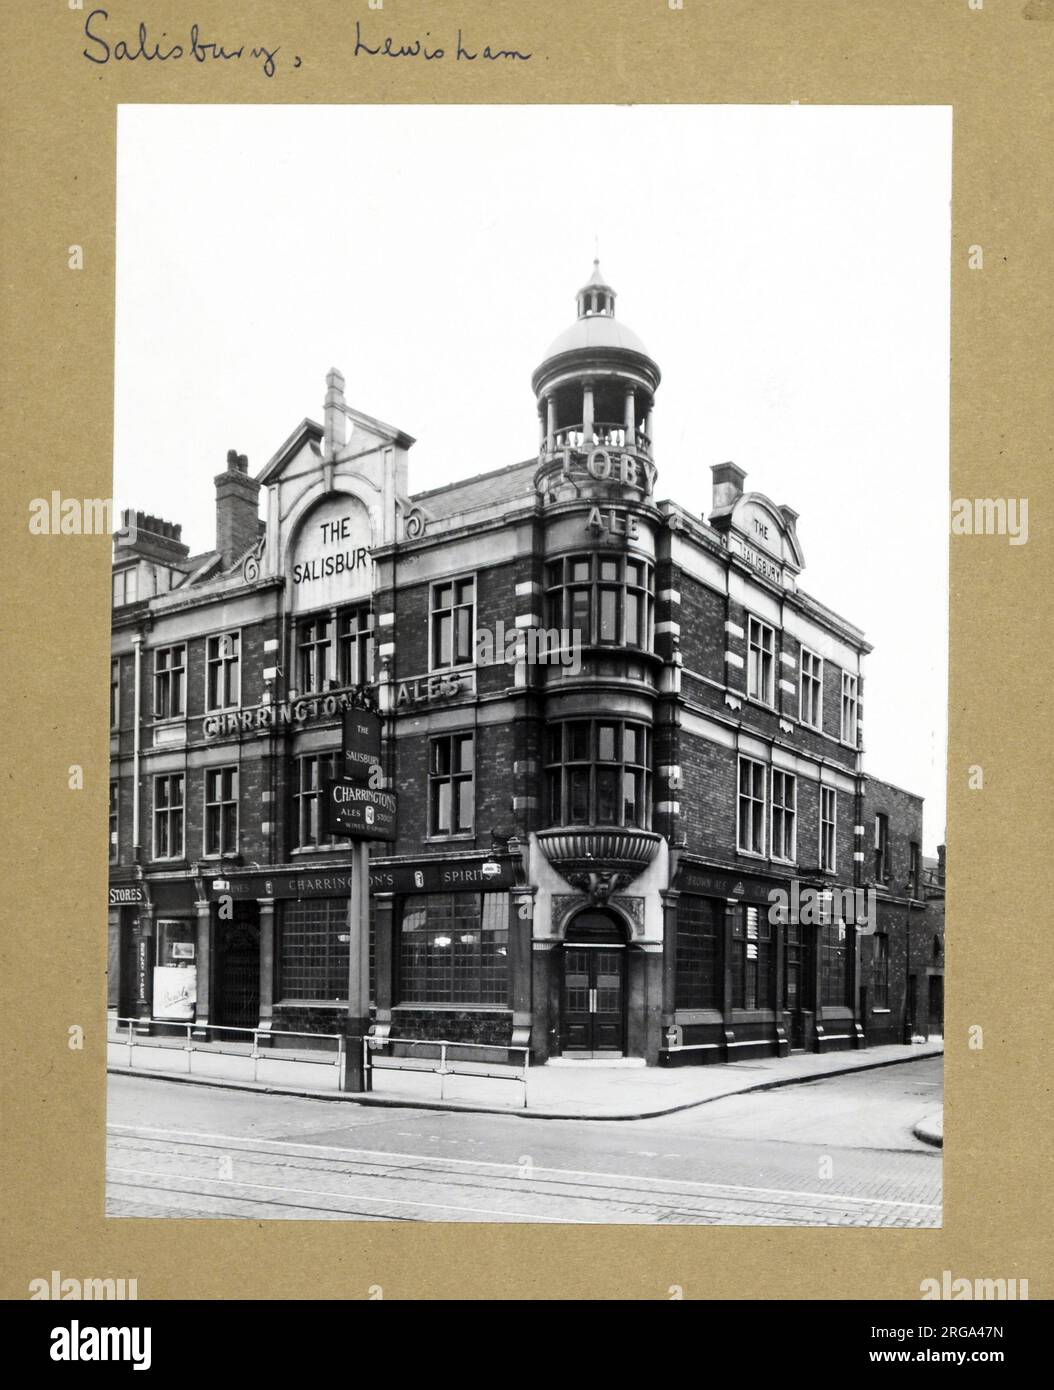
{"points": [[607, 600], [598, 772]]}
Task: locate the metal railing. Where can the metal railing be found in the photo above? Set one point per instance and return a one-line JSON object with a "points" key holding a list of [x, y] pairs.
{"points": [[444, 1068], [256, 1055], [371, 1047], [608, 434]]}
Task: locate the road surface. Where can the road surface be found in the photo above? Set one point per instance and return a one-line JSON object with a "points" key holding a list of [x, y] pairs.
{"points": [[838, 1152]]}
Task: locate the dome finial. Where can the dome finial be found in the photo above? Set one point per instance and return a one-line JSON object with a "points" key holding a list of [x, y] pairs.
{"points": [[596, 296]]}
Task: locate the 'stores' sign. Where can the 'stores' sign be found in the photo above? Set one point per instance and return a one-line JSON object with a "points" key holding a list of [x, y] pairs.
{"points": [[353, 809]]}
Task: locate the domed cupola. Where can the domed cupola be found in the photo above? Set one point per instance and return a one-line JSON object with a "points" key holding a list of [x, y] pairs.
{"points": [[596, 384]]}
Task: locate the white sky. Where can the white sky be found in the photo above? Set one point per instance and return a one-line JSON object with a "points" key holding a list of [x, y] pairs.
{"points": [[787, 267]]}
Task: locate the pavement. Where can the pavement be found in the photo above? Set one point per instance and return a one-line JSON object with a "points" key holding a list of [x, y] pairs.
{"points": [[588, 1090], [930, 1129]]}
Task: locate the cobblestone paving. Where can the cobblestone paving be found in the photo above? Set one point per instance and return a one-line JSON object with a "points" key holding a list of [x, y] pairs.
{"points": [[831, 1153]]}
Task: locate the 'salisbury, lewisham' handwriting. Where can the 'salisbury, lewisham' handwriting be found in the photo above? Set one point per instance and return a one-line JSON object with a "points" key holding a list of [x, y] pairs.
{"points": [[104, 47]]}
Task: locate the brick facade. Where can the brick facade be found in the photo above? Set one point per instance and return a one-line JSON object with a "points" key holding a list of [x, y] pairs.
{"points": [[504, 892]]}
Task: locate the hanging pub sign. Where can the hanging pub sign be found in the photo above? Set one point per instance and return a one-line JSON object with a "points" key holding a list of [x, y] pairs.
{"points": [[362, 744], [352, 809]]}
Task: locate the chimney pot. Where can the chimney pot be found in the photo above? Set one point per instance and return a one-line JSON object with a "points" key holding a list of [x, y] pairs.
{"points": [[728, 486]]}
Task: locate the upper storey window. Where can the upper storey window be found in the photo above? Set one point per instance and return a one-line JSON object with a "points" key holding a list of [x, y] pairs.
{"points": [[598, 772], [761, 662], [452, 622], [850, 709], [602, 600]]}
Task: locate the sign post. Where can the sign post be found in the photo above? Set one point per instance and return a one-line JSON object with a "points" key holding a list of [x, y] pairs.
{"points": [[355, 806]]}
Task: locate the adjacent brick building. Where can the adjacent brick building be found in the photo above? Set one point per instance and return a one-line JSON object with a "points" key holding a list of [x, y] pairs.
{"points": [[618, 731]]}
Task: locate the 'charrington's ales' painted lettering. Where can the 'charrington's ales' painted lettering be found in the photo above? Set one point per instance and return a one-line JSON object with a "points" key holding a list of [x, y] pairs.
{"points": [[276, 716]]}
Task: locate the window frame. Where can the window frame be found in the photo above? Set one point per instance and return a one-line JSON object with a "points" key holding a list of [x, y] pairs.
{"points": [[634, 579], [114, 819], [813, 677], [563, 773], [833, 945], [168, 811], [828, 865], [758, 806], [489, 923], [761, 662], [787, 810], [219, 805], [225, 665], [115, 693], [850, 710], [355, 648], [458, 628], [753, 977], [303, 797], [880, 971], [454, 777], [883, 858], [699, 972], [314, 656], [163, 679]]}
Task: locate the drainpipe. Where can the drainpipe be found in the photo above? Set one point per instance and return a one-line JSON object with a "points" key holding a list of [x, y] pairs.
{"points": [[137, 642]]}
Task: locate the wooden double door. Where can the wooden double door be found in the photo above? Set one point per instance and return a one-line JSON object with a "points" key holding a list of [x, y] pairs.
{"points": [[593, 989]]}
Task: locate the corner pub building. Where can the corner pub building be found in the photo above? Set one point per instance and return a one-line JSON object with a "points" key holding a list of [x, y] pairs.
{"points": [[587, 840]]}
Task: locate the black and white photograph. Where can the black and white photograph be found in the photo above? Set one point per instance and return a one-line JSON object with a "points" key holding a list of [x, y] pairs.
{"points": [[528, 672]]}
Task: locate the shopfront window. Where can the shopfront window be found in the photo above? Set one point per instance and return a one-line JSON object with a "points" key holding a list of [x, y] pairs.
{"points": [[833, 952], [753, 959], [598, 772], [605, 600], [880, 971], [698, 978], [453, 949], [313, 950]]}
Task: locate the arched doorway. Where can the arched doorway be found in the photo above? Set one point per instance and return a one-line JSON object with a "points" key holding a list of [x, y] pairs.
{"points": [[593, 986]]}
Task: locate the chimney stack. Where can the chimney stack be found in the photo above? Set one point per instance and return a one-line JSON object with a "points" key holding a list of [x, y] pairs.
{"points": [[237, 509], [728, 487], [336, 423]]}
